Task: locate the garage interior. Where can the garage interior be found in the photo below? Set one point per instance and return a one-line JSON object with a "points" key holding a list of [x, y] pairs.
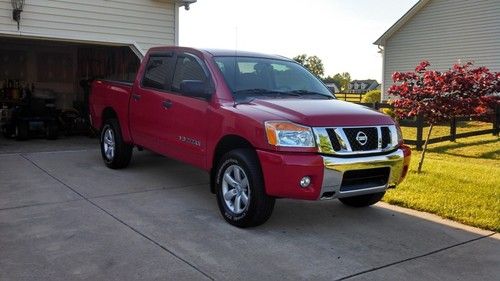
{"points": [[44, 85]]}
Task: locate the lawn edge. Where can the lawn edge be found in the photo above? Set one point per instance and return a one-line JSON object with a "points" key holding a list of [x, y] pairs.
{"points": [[438, 219]]}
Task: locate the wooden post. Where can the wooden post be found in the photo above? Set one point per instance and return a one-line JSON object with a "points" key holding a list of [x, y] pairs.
{"points": [[420, 131], [453, 129]]}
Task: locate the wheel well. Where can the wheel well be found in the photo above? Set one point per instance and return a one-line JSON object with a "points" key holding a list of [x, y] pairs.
{"points": [[226, 144], [108, 113]]}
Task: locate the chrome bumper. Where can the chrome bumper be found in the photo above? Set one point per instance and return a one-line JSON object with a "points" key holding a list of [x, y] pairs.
{"points": [[335, 168]]}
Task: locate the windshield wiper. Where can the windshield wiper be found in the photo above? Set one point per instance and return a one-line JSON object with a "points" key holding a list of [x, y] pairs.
{"points": [[253, 93], [264, 92], [310, 93]]}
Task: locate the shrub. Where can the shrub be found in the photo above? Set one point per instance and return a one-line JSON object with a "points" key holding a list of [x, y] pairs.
{"points": [[388, 111], [372, 96]]}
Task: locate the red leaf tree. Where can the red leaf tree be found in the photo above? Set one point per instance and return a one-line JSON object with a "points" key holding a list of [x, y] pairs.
{"points": [[438, 96]]}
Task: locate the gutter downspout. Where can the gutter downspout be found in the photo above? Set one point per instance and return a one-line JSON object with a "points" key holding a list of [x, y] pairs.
{"points": [[177, 6], [382, 83]]}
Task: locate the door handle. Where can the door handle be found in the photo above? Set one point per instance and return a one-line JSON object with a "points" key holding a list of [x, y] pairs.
{"points": [[136, 97], [167, 104]]}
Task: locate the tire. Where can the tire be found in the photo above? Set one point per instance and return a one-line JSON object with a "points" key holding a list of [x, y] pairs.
{"points": [[258, 206], [115, 153], [21, 131], [362, 200]]}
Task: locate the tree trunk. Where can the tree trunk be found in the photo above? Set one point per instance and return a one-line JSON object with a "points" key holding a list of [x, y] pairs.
{"points": [[422, 156]]}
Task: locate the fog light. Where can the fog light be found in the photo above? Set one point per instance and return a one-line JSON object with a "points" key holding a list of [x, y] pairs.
{"points": [[305, 181]]}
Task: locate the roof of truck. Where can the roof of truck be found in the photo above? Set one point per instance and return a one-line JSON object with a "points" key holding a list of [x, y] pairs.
{"points": [[220, 52], [227, 53]]}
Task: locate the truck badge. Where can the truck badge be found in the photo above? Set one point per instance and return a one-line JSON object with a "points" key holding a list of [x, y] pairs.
{"points": [[361, 138]]}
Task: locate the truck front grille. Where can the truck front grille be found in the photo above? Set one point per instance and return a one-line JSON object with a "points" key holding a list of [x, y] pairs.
{"points": [[333, 139], [356, 140], [362, 139]]}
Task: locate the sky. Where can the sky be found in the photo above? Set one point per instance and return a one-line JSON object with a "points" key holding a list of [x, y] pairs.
{"points": [[340, 32]]}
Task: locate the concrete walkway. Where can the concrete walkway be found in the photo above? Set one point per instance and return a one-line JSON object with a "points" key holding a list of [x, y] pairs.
{"points": [[64, 216]]}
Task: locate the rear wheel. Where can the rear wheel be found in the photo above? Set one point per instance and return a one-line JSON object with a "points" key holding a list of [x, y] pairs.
{"points": [[362, 200], [240, 189], [115, 153]]}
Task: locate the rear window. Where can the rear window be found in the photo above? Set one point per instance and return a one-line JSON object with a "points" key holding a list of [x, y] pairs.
{"points": [[158, 71]]}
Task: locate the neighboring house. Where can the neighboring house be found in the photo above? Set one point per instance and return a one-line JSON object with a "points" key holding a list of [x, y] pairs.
{"points": [[362, 86], [333, 87], [443, 32], [60, 42]]}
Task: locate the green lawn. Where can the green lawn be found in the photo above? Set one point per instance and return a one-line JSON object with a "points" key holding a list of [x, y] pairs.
{"points": [[460, 180], [444, 130]]}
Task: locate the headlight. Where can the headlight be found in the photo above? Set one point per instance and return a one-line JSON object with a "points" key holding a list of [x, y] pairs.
{"points": [[283, 133]]}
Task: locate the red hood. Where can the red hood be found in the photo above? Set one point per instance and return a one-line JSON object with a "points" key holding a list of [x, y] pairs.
{"points": [[322, 113]]}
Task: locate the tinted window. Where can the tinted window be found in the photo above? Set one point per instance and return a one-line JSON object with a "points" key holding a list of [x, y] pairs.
{"points": [[187, 68], [158, 72]]}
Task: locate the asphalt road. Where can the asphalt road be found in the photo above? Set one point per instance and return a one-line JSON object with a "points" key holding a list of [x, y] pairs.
{"points": [[64, 216]]}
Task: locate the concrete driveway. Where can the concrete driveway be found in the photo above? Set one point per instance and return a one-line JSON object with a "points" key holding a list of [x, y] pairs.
{"points": [[64, 216]]}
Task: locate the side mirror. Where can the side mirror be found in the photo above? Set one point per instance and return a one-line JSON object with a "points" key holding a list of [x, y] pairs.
{"points": [[196, 88]]}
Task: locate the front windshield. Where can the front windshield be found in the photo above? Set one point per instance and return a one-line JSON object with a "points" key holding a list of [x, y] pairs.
{"points": [[250, 77]]}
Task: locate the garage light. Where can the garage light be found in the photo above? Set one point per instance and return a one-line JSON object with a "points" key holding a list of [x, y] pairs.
{"points": [[17, 8], [186, 3]]}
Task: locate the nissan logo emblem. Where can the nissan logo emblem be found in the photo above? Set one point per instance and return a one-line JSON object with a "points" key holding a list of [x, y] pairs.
{"points": [[361, 138]]}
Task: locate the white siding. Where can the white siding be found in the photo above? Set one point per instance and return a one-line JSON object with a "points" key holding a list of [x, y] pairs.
{"points": [[445, 32], [146, 23]]}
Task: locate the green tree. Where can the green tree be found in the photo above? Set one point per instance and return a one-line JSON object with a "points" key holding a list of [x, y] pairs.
{"points": [[342, 79], [312, 63]]}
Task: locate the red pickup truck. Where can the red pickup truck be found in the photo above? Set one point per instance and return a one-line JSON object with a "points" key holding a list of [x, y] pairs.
{"points": [[262, 126]]}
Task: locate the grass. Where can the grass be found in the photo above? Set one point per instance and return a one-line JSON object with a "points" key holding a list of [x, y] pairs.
{"points": [[460, 180]]}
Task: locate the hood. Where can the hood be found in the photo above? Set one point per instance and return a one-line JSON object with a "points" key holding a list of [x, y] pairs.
{"points": [[322, 113]]}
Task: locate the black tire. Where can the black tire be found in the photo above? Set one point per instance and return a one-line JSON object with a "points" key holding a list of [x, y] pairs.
{"points": [[260, 205], [52, 132], [22, 131], [122, 152], [362, 200]]}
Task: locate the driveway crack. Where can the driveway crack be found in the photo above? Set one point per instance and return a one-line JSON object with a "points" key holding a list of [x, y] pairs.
{"points": [[414, 258], [193, 266]]}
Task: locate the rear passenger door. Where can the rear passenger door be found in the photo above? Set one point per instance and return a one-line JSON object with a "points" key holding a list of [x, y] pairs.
{"points": [[187, 116]]}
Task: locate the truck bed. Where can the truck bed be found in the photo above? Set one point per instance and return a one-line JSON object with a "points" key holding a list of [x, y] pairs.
{"points": [[110, 94]]}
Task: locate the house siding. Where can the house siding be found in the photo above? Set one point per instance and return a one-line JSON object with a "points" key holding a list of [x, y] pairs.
{"points": [[445, 32], [145, 23]]}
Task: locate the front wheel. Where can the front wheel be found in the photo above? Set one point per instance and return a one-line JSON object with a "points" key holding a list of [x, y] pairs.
{"points": [[115, 153], [362, 200], [240, 189]]}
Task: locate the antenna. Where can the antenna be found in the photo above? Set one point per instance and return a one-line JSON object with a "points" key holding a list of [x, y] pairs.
{"points": [[235, 59]]}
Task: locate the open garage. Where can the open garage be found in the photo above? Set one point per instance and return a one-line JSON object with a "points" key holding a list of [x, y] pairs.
{"points": [[44, 85], [50, 52]]}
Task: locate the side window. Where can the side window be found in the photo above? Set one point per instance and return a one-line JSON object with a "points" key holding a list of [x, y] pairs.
{"points": [[158, 71], [187, 68]]}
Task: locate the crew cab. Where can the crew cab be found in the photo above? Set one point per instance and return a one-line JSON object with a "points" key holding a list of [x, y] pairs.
{"points": [[262, 126]]}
